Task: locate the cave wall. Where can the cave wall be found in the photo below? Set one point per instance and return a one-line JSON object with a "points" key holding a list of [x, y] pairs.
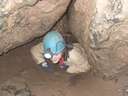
{"points": [[23, 20], [101, 27]]}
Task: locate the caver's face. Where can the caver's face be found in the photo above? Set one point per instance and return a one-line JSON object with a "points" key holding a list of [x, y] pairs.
{"points": [[56, 58]]}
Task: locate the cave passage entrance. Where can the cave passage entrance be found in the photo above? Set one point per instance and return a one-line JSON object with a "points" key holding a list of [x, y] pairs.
{"points": [[20, 75]]}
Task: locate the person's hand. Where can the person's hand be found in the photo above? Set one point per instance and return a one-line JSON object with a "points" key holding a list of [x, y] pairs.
{"points": [[46, 67], [44, 64], [64, 66]]}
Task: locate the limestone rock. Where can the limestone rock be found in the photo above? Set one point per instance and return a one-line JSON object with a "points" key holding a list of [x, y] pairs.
{"points": [[101, 27], [23, 20]]}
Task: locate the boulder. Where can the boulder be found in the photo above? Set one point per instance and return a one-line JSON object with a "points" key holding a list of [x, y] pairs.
{"points": [[101, 27], [23, 20]]}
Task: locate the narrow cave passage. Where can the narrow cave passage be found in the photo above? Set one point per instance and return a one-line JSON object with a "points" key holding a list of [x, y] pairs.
{"points": [[102, 30], [18, 69]]}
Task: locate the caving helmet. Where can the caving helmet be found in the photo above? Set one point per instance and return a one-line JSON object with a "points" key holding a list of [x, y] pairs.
{"points": [[53, 43]]}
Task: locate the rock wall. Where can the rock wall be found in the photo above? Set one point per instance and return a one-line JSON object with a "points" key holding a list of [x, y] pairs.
{"points": [[23, 20], [102, 26]]}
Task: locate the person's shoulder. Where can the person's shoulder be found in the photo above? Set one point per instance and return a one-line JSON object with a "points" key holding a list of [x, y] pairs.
{"points": [[77, 48]]}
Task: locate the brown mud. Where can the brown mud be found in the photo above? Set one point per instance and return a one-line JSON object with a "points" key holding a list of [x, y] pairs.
{"points": [[18, 66]]}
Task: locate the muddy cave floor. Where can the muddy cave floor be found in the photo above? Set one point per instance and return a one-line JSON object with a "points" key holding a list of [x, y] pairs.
{"points": [[17, 67]]}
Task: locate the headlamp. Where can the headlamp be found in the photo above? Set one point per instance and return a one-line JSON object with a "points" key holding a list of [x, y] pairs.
{"points": [[47, 55]]}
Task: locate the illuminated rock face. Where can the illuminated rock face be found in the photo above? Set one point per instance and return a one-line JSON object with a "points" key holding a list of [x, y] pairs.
{"points": [[22, 20], [101, 27]]}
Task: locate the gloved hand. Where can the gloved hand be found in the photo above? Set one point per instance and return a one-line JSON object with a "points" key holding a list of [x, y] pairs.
{"points": [[46, 67], [64, 66], [44, 64]]}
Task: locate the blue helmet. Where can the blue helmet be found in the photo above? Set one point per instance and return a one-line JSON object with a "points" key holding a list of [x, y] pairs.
{"points": [[53, 43]]}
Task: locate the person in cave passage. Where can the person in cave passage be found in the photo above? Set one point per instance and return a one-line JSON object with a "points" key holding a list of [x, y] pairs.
{"points": [[54, 50]]}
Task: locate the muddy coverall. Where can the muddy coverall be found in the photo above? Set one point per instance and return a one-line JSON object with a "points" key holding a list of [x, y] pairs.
{"points": [[77, 59]]}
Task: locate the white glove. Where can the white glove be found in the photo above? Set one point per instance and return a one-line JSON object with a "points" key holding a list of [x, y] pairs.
{"points": [[44, 64]]}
